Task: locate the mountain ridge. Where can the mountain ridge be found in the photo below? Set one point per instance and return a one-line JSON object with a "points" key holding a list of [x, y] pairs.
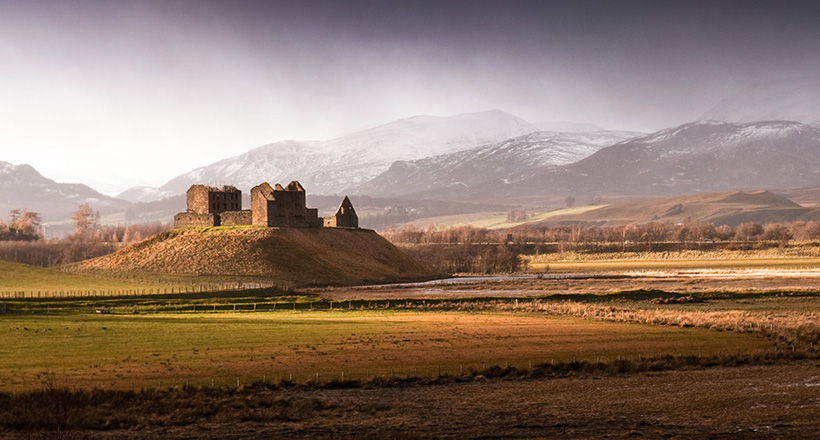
{"points": [[23, 187], [698, 157], [500, 160], [329, 167]]}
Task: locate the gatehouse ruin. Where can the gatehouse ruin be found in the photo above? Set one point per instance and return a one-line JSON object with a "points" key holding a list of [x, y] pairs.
{"points": [[271, 206]]}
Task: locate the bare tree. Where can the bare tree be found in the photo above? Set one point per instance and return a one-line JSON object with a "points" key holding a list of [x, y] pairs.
{"points": [[747, 231], [569, 201], [86, 221], [27, 223], [516, 216]]}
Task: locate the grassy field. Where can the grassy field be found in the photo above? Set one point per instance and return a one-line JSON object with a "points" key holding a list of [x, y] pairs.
{"points": [[800, 255], [116, 351], [630, 265], [21, 280], [16, 277]]}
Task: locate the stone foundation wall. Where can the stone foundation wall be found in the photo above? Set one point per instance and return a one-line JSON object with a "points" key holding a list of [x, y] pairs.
{"points": [[235, 218], [191, 219]]}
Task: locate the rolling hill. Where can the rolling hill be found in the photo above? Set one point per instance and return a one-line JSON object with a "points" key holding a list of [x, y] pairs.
{"points": [[728, 208], [297, 256]]}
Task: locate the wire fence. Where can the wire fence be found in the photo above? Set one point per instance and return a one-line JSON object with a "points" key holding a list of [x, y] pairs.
{"points": [[130, 291]]}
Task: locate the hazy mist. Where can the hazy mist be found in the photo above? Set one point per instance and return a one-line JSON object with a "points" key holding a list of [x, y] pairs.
{"points": [[117, 94]]}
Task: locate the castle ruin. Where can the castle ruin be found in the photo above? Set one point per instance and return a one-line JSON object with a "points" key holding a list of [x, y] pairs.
{"points": [[345, 216], [270, 206]]}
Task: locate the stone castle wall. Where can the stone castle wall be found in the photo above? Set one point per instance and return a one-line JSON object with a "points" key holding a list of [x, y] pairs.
{"points": [[190, 219], [236, 218], [197, 199], [270, 206], [260, 196]]}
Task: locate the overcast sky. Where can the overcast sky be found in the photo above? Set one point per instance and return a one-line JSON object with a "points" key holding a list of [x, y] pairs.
{"points": [[117, 93]]}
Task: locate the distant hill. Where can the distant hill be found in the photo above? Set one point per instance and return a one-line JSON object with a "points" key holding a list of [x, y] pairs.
{"points": [[494, 162], [729, 208], [330, 167], [298, 256], [794, 99], [21, 186], [693, 158]]}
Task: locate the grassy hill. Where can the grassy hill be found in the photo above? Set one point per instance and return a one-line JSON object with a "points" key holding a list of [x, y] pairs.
{"points": [[296, 256], [730, 208]]}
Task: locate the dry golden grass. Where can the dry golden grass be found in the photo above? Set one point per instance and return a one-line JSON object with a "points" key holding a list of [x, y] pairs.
{"points": [[116, 351], [289, 255]]}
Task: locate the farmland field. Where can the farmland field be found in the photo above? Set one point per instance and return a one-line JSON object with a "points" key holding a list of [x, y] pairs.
{"points": [[116, 351], [795, 256], [21, 280], [700, 352]]}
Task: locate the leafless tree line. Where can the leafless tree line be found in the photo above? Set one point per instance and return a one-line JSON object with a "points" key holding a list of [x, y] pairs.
{"points": [[22, 239], [647, 233], [23, 225]]}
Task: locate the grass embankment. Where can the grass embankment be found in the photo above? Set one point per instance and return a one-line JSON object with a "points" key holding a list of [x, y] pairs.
{"points": [[116, 351], [297, 256]]}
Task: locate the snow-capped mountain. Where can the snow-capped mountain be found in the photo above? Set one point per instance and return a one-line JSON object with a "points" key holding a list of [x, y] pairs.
{"points": [[695, 157], [329, 167], [788, 100], [497, 161], [22, 187]]}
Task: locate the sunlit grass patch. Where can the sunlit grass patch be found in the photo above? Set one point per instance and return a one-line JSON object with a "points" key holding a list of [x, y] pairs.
{"points": [[120, 350]]}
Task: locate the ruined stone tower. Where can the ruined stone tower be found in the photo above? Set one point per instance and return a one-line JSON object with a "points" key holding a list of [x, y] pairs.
{"points": [[345, 216], [211, 206], [282, 207]]}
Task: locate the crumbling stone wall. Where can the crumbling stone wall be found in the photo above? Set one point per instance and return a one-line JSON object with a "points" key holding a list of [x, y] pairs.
{"points": [[313, 220], [276, 206], [227, 198], [210, 206], [345, 216], [198, 199], [204, 199], [282, 207], [236, 218], [261, 195], [190, 219]]}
